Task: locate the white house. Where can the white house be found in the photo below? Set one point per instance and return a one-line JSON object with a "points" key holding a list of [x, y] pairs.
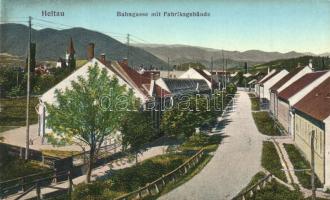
{"points": [[114, 68], [193, 73], [267, 83]]}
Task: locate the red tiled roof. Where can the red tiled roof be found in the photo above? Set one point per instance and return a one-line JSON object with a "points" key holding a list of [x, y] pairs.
{"points": [[285, 79], [299, 84], [137, 78], [269, 77], [316, 103]]}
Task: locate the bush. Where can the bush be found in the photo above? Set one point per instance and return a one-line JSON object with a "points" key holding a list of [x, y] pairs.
{"points": [[86, 190], [130, 179], [271, 160]]}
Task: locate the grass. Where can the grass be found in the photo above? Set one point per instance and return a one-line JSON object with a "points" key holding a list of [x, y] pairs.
{"points": [[13, 168], [299, 162], [255, 102], [130, 179], [274, 191], [13, 112], [265, 123], [271, 161], [59, 153]]}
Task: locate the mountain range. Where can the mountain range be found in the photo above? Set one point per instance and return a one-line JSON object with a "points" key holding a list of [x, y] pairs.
{"points": [[52, 44], [185, 53]]}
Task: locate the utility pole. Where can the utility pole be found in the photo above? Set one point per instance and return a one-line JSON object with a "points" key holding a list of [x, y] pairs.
{"points": [[223, 70], [28, 95], [211, 74], [128, 48], [168, 67], [312, 166]]}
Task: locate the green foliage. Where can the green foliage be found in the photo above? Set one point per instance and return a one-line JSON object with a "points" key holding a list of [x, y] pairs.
{"points": [[89, 112], [13, 111], [265, 123], [129, 179], [255, 102], [299, 162], [319, 63], [276, 191], [14, 167], [231, 88], [271, 161], [137, 130]]}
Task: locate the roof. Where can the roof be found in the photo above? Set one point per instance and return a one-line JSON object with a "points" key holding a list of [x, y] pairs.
{"points": [[299, 84], [285, 79], [201, 72], [316, 103], [269, 77], [136, 78], [186, 85]]}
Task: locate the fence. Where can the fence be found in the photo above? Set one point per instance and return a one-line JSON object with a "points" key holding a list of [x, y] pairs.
{"points": [[155, 187], [251, 191]]}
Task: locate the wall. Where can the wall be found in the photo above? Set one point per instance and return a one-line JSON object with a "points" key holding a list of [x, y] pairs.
{"points": [[283, 114], [327, 153], [303, 128], [268, 84]]}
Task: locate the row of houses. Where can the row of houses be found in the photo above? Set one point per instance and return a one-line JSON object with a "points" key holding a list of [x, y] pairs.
{"points": [[147, 85], [300, 101]]}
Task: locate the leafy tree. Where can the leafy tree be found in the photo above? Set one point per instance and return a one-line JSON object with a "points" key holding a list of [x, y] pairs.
{"points": [[137, 130], [89, 112]]}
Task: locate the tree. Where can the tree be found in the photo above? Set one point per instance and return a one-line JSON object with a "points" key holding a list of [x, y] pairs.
{"points": [[137, 130], [88, 113]]}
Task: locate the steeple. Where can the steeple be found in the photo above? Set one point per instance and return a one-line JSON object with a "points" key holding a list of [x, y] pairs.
{"points": [[70, 49]]}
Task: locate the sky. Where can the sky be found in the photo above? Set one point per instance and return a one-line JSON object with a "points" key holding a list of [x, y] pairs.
{"points": [[269, 25]]}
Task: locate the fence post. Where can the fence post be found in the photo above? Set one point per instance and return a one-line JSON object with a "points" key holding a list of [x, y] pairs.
{"points": [[38, 191], [163, 180], [70, 184], [22, 183], [157, 189], [55, 176]]}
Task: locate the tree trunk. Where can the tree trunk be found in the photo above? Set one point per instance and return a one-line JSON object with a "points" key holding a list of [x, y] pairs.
{"points": [[136, 158], [90, 165]]}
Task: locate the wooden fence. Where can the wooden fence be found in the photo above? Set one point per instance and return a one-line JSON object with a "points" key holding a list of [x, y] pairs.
{"points": [[251, 191], [156, 186], [44, 180]]}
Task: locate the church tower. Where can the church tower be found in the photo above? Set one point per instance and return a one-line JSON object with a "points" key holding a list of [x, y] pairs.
{"points": [[69, 57]]}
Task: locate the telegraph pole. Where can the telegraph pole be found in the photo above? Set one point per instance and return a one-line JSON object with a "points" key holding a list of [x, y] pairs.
{"points": [[223, 70], [168, 67], [312, 166], [28, 95], [211, 74], [128, 48]]}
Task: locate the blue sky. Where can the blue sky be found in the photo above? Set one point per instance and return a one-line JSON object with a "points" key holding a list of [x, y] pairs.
{"points": [[282, 26]]}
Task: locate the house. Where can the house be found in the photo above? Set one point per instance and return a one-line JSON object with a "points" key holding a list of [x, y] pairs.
{"points": [[294, 93], [267, 83], [312, 114], [284, 83], [257, 84], [193, 73], [126, 76]]}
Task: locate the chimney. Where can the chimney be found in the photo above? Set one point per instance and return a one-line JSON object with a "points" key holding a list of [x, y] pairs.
{"points": [[310, 63], [102, 57], [125, 61], [90, 51]]}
